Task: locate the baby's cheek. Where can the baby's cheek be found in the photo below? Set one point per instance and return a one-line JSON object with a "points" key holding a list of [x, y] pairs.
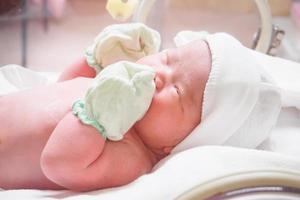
{"points": [[162, 99], [155, 101]]}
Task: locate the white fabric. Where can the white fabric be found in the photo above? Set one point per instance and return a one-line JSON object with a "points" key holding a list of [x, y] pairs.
{"points": [[15, 78], [177, 174], [119, 96], [238, 96], [118, 42], [285, 137], [286, 75], [184, 37]]}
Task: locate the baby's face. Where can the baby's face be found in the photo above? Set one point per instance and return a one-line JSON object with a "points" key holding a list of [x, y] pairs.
{"points": [[181, 75]]}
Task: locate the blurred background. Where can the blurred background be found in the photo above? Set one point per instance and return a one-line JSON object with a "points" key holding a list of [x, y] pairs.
{"points": [[48, 35]]}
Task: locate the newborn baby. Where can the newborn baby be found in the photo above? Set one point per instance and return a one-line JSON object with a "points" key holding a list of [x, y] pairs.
{"points": [[44, 145]]}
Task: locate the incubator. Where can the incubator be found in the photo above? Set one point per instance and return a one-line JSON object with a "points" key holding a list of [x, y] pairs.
{"points": [[212, 172], [267, 38], [257, 185]]}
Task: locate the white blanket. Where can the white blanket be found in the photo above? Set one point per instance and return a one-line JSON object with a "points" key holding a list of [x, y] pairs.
{"points": [[177, 174], [14, 78], [285, 137]]}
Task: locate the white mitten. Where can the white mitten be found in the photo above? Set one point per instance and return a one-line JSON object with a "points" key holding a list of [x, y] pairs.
{"points": [[118, 42], [119, 96]]}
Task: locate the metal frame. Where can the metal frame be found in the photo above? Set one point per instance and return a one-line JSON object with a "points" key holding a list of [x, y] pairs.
{"points": [[267, 35]]}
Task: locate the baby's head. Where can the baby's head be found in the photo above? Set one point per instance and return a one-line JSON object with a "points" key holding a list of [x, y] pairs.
{"points": [[217, 81], [181, 76]]}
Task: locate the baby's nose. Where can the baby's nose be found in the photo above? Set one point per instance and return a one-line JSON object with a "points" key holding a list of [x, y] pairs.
{"points": [[159, 83]]}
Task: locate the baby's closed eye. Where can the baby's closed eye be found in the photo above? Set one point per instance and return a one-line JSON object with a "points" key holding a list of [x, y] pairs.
{"points": [[177, 90], [180, 97]]}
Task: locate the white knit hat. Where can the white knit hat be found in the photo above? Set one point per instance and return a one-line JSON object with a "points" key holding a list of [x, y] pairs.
{"points": [[241, 103]]}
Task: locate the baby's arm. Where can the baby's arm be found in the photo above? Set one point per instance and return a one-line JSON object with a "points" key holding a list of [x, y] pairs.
{"points": [[79, 68], [76, 157]]}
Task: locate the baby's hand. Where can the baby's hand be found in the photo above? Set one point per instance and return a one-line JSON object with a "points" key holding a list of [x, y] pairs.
{"points": [[118, 42], [119, 96]]}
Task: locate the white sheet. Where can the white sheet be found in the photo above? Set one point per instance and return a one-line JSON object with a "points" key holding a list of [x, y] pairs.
{"points": [[14, 78], [177, 174], [285, 137]]}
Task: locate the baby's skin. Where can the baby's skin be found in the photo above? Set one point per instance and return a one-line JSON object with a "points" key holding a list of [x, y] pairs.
{"points": [[44, 146]]}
